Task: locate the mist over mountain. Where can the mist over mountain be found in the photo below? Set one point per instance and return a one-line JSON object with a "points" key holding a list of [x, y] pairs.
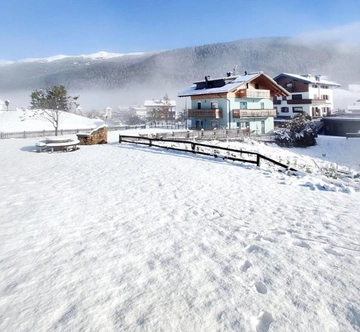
{"points": [[132, 78]]}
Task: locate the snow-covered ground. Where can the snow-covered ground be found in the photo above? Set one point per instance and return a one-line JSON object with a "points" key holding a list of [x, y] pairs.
{"points": [[130, 238], [29, 120]]}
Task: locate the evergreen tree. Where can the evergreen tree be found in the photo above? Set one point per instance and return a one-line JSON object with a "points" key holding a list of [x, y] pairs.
{"points": [[300, 132]]}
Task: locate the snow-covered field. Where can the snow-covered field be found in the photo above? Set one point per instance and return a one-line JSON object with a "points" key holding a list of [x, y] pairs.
{"points": [[129, 238]]}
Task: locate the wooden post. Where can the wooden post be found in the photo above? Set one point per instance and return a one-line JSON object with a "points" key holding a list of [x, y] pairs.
{"points": [[258, 160], [119, 139]]}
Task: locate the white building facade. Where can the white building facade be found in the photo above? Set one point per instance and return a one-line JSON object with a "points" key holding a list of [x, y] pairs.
{"points": [[310, 94]]}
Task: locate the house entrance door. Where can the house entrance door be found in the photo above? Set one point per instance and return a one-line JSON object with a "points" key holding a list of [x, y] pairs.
{"points": [[199, 124]]}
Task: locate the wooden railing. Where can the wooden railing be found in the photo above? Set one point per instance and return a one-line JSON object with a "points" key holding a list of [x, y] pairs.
{"points": [[253, 93], [202, 149], [215, 113], [307, 101], [239, 113], [44, 133]]}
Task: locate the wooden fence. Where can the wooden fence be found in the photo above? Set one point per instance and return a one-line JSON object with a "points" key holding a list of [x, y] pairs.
{"points": [[202, 149], [43, 133]]}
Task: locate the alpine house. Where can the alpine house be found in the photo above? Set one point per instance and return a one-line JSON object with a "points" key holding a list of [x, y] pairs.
{"points": [[235, 101]]}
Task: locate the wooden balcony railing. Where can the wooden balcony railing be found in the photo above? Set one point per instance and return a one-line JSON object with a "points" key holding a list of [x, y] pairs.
{"points": [[213, 113], [238, 113], [307, 101], [253, 93]]}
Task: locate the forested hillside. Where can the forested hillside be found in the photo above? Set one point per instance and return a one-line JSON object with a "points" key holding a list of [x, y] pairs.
{"points": [[174, 70]]}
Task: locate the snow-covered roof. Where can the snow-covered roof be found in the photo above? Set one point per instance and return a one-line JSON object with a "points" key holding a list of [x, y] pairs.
{"points": [[308, 79], [159, 102], [231, 83]]}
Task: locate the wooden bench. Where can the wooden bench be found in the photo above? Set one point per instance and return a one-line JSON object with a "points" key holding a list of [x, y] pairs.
{"points": [[351, 135]]}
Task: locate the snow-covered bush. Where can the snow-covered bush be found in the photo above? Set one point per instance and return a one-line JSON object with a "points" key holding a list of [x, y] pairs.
{"points": [[301, 132]]}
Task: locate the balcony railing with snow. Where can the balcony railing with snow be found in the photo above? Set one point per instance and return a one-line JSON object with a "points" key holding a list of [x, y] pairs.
{"points": [[239, 113]]}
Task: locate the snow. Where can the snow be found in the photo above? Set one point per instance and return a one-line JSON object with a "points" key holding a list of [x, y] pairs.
{"points": [[93, 56], [28, 120], [119, 237]]}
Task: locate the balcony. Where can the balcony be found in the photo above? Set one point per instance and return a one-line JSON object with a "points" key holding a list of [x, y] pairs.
{"points": [[237, 114], [211, 113], [253, 93], [307, 101]]}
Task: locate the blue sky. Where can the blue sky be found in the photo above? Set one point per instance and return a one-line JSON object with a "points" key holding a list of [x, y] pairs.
{"points": [[44, 28]]}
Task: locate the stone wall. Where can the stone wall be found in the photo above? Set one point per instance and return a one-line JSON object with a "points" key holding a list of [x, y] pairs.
{"points": [[96, 136]]}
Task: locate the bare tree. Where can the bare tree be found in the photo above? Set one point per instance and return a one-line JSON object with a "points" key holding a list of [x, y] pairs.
{"points": [[52, 103]]}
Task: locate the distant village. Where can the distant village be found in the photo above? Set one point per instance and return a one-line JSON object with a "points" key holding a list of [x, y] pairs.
{"points": [[251, 101]]}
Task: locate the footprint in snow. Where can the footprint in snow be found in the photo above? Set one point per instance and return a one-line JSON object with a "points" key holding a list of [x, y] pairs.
{"points": [[260, 287], [246, 266], [333, 252], [302, 244], [265, 319], [256, 248]]}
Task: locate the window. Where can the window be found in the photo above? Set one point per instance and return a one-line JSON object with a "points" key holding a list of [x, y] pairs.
{"points": [[243, 105], [199, 105], [257, 86], [297, 109], [262, 105], [297, 96], [326, 97], [284, 109], [214, 104]]}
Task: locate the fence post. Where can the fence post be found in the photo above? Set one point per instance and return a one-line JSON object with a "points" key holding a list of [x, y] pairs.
{"points": [[258, 160], [150, 142], [119, 139], [193, 147]]}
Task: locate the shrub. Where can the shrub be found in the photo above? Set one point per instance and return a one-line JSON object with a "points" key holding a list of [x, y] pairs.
{"points": [[300, 132]]}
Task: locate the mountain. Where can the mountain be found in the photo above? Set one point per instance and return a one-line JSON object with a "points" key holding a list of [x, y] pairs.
{"points": [[150, 75]]}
